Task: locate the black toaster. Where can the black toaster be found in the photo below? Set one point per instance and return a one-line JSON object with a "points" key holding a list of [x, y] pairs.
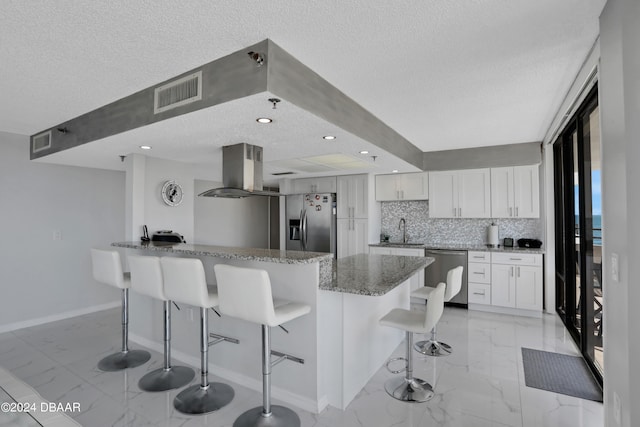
{"points": [[529, 243], [167, 236]]}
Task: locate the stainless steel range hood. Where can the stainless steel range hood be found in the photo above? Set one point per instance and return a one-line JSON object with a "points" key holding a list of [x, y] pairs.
{"points": [[241, 173]]}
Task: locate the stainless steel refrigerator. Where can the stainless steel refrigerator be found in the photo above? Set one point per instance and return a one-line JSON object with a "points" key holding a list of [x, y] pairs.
{"points": [[311, 222]]}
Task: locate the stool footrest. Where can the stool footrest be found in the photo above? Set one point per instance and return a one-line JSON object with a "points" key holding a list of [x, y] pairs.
{"points": [[220, 338], [395, 359], [283, 356]]}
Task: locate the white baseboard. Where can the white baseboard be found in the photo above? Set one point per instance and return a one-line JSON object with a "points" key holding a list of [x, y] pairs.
{"points": [[55, 317], [505, 310], [304, 403]]}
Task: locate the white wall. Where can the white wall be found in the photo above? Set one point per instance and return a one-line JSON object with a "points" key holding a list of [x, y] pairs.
{"points": [[145, 178], [619, 89], [230, 222], [41, 277]]}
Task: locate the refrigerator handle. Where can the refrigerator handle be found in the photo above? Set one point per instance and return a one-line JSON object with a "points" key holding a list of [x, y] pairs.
{"points": [[303, 229]]}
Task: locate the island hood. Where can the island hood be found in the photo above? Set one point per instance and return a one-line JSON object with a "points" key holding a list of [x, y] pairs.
{"points": [[241, 173]]}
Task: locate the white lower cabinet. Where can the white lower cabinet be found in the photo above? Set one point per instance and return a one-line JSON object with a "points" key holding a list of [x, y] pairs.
{"points": [[506, 280], [516, 281], [353, 237], [503, 285], [479, 293], [417, 281], [479, 274]]}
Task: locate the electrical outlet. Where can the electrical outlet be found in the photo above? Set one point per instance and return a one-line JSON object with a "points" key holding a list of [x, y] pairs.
{"points": [[617, 407], [57, 235], [615, 268]]}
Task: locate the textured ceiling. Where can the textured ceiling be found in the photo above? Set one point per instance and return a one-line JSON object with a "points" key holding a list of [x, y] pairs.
{"points": [[444, 74]]}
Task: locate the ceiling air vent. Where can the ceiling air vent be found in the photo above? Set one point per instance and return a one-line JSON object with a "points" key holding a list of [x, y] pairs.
{"points": [[41, 142], [177, 93]]}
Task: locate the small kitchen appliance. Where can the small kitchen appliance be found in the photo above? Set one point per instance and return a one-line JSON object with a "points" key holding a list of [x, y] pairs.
{"points": [[529, 243], [167, 236]]}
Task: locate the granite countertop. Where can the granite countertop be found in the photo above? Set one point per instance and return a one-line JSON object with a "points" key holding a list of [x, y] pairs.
{"points": [[247, 254], [460, 247], [373, 275]]}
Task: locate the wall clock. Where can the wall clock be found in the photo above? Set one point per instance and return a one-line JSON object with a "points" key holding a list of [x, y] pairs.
{"points": [[172, 193]]}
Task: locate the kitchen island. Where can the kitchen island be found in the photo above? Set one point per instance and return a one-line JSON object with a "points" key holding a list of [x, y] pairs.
{"points": [[340, 340]]}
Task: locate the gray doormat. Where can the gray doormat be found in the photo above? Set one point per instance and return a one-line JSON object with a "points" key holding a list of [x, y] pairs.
{"points": [[559, 373]]}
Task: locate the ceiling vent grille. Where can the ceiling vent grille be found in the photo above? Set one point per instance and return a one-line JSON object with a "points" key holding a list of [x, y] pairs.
{"points": [[179, 92], [41, 142]]}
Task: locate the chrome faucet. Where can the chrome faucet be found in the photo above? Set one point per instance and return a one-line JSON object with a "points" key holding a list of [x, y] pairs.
{"points": [[403, 225]]}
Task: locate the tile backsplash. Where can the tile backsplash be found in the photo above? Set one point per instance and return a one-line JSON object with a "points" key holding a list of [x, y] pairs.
{"points": [[421, 228]]}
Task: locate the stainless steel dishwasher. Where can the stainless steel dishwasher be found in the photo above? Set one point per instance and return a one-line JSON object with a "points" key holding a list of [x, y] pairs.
{"points": [[445, 260]]}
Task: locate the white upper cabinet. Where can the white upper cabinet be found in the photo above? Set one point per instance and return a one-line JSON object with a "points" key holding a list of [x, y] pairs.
{"points": [[353, 199], [443, 194], [406, 186], [460, 194], [474, 193], [386, 188], [515, 192], [526, 190], [314, 185]]}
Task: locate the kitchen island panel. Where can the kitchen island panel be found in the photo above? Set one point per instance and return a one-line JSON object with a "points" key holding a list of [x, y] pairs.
{"points": [[340, 340], [350, 359]]}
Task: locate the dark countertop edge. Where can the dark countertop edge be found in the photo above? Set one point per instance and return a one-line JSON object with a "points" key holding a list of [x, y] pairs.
{"points": [[478, 248], [379, 292], [227, 252]]}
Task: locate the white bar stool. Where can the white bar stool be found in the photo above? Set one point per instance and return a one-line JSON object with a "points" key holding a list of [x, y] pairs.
{"points": [[408, 388], [146, 279], [245, 293], [433, 347], [185, 282], [107, 269]]}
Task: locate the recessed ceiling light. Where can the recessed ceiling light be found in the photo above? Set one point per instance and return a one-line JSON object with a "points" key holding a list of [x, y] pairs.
{"points": [[395, 171], [329, 137], [364, 152], [145, 147], [264, 120]]}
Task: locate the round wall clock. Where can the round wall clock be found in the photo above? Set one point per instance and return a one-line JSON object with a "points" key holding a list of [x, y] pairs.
{"points": [[172, 193]]}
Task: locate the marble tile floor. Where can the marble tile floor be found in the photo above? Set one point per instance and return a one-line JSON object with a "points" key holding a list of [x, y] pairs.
{"points": [[480, 384]]}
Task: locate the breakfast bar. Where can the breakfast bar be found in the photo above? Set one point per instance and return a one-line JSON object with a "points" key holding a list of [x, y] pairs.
{"points": [[340, 340]]}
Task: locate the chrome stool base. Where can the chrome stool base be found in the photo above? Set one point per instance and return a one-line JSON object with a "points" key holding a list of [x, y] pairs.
{"points": [[413, 390], [123, 360], [166, 379], [198, 400], [280, 417], [433, 348]]}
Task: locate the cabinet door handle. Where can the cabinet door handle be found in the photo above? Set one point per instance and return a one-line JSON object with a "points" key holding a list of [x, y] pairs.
{"points": [[455, 212], [479, 273], [518, 269], [516, 211], [460, 212], [402, 192], [511, 270], [478, 293], [478, 257], [510, 211], [515, 259]]}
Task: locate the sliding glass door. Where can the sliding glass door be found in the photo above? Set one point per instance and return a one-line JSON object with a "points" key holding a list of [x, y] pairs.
{"points": [[578, 219]]}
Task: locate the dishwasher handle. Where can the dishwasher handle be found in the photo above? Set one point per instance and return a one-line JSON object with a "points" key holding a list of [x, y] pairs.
{"points": [[440, 252]]}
